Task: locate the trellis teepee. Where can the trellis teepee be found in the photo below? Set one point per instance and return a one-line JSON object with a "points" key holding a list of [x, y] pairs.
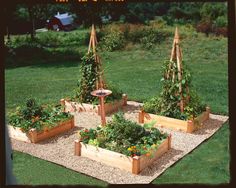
{"points": [[92, 49], [176, 62]]}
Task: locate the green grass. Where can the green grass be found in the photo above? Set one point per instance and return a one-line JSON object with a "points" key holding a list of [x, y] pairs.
{"points": [[208, 164], [137, 72], [30, 170]]}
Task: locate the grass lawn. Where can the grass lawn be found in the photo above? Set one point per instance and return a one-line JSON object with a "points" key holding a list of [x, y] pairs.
{"points": [[137, 72], [30, 170]]}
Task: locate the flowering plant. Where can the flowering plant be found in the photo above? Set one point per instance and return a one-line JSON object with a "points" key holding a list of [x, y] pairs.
{"points": [[124, 136]]}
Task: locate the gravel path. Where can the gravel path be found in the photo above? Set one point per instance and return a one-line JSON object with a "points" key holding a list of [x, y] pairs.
{"points": [[60, 149]]}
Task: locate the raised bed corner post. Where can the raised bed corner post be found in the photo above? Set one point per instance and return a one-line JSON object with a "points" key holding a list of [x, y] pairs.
{"points": [[141, 116], [33, 135], [208, 110], [169, 141], [125, 98], [63, 104], [77, 148], [176, 56], [136, 165]]}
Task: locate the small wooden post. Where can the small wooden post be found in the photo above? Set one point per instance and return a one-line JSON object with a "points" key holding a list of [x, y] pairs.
{"points": [[73, 122], [141, 116], [169, 141], [208, 111], [33, 135], [124, 97], [190, 126], [63, 103], [136, 165], [77, 148]]}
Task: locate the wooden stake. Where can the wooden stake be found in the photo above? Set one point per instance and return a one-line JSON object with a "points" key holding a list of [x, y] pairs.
{"points": [[136, 165], [169, 141], [141, 116], [77, 148], [63, 103], [208, 110], [190, 126], [33, 135], [124, 97]]}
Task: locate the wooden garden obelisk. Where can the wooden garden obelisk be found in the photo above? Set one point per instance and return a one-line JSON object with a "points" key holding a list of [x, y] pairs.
{"points": [[92, 48], [176, 57]]}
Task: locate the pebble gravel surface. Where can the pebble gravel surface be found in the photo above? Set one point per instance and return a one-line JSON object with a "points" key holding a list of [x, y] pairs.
{"points": [[60, 149]]}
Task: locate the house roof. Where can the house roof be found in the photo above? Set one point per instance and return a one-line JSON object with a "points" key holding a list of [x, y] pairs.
{"points": [[65, 19]]}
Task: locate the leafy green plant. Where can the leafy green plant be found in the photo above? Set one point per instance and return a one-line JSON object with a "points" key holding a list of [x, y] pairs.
{"points": [[113, 41], [167, 103], [37, 116], [90, 71], [124, 136], [89, 76]]}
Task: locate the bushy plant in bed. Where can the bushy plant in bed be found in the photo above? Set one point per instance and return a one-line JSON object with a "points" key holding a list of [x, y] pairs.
{"points": [[90, 71], [33, 115], [124, 136], [167, 103]]}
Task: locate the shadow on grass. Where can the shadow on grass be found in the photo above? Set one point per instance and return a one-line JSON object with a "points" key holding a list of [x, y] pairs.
{"points": [[42, 57]]}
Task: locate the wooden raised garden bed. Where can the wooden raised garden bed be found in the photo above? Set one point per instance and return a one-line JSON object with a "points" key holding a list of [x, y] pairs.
{"points": [[187, 126], [84, 107], [33, 136], [132, 164]]}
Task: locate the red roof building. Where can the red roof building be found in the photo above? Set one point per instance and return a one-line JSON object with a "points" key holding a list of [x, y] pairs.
{"points": [[61, 22]]}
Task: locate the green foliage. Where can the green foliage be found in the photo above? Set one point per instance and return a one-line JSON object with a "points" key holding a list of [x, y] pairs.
{"points": [[36, 116], [89, 75], [151, 37], [214, 18], [167, 103], [211, 11], [116, 93], [113, 41], [221, 21], [124, 136]]}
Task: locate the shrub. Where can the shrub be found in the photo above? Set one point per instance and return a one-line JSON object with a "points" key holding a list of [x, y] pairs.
{"points": [[148, 36], [221, 31], [152, 36], [113, 41], [50, 39], [221, 21], [205, 27]]}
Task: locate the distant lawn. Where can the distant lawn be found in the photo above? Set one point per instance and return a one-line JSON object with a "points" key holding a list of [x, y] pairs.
{"points": [[137, 72]]}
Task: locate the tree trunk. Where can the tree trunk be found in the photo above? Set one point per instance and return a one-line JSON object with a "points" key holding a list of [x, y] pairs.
{"points": [[31, 17]]}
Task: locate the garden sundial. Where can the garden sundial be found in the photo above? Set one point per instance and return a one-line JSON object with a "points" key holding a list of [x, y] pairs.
{"points": [[101, 93]]}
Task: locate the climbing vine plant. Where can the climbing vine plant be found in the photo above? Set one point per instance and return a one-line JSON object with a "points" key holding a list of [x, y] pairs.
{"points": [[89, 74], [167, 103]]}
